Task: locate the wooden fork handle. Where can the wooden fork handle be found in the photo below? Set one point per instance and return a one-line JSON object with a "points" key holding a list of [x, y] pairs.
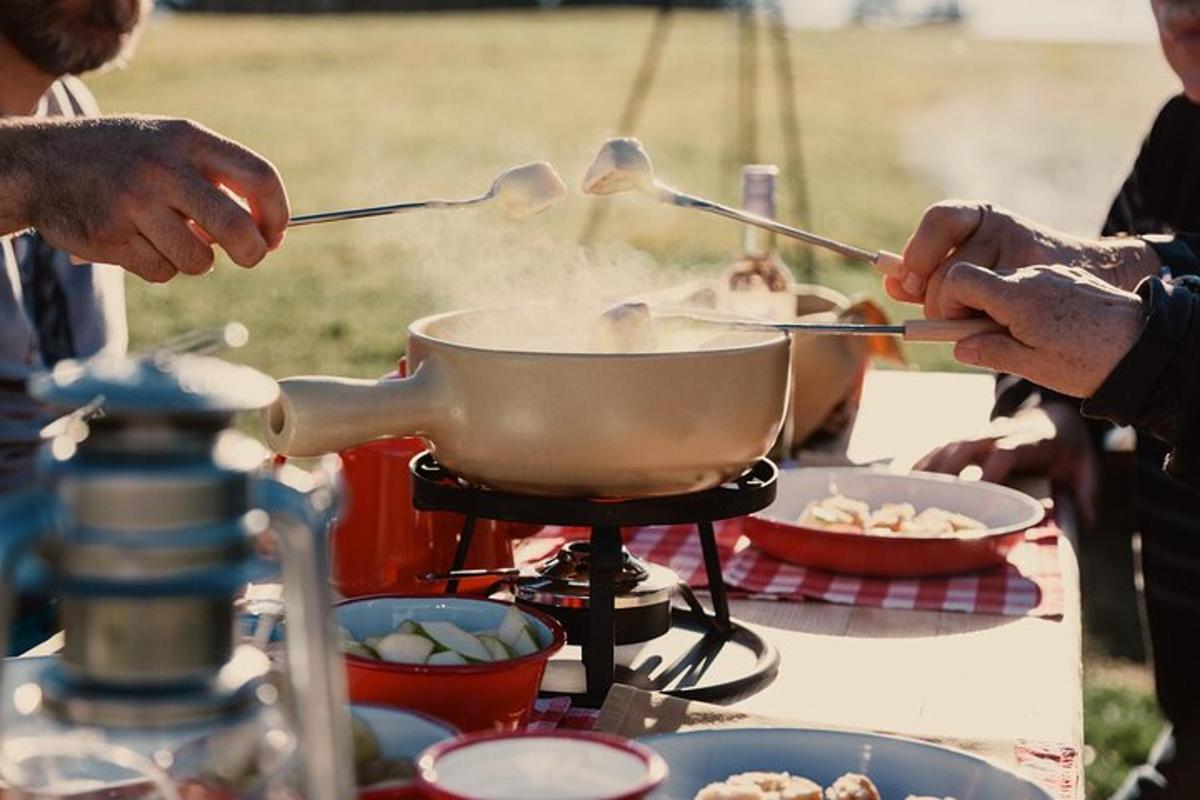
{"points": [[948, 330], [888, 263]]}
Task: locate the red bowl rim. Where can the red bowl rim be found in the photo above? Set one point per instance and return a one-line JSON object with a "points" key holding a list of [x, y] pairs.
{"points": [[656, 767], [755, 522], [390, 788], [761, 517], [541, 654]]}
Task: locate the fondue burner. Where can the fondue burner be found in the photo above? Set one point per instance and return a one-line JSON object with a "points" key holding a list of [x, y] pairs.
{"points": [[615, 607], [641, 594]]}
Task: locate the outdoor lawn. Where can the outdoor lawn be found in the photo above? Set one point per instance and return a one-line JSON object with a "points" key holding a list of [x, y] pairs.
{"points": [[372, 109]]}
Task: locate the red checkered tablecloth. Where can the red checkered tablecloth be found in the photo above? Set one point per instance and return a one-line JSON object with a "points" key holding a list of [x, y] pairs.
{"points": [[1030, 583], [555, 713]]}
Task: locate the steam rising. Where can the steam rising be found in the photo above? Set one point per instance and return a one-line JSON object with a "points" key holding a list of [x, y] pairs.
{"points": [[478, 259]]}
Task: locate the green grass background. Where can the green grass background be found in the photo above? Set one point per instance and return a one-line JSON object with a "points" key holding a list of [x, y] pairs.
{"points": [[373, 109]]}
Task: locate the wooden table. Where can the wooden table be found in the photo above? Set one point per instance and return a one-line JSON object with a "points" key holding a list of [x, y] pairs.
{"points": [[979, 680], [984, 680]]}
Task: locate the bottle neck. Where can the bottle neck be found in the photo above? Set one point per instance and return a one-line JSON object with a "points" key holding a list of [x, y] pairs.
{"points": [[758, 198], [758, 243]]}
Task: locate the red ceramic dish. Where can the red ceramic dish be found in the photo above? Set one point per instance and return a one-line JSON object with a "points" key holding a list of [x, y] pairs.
{"points": [[497, 695], [1006, 512], [654, 768], [381, 544], [406, 792]]}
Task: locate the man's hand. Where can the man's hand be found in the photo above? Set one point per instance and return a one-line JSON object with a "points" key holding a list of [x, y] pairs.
{"points": [[954, 231], [149, 194], [1066, 328], [1050, 440]]}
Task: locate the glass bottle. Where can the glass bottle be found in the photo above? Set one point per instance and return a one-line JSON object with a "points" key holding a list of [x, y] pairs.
{"points": [[763, 283]]}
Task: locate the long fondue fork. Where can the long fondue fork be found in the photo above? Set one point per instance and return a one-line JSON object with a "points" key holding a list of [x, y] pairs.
{"points": [[521, 191], [886, 262], [913, 330], [381, 211], [623, 165]]}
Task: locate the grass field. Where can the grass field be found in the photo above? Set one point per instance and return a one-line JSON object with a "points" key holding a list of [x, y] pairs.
{"points": [[374, 109]]}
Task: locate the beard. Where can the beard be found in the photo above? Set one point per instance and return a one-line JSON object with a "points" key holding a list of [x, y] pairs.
{"points": [[70, 37]]}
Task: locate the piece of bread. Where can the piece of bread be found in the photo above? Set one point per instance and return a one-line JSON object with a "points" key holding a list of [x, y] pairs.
{"points": [[852, 786]]}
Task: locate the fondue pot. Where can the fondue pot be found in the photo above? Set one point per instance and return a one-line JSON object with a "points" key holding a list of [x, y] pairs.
{"points": [[513, 398]]}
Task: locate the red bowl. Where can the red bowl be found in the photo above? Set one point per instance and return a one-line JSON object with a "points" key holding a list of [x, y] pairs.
{"points": [[654, 767], [1006, 512], [496, 696], [406, 792]]}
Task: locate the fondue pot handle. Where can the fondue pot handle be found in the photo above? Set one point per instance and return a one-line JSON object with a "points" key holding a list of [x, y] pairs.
{"points": [[318, 414]]}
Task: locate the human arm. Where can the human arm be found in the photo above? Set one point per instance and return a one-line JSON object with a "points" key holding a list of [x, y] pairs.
{"points": [[1050, 439], [978, 233], [1134, 355], [149, 194]]}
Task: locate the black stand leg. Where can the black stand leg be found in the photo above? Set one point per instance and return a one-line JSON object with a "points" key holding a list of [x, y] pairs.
{"points": [[460, 553], [716, 583], [598, 656]]}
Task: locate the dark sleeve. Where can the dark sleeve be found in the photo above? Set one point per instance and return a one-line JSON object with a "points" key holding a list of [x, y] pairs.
{"points": [[1156, 386], [1180, 252], [1161, 194]]}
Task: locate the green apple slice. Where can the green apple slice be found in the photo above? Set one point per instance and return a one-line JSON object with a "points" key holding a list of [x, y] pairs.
{"points": [[359, 649], [499, 650], [512, 626], [452, 637], [404, 648], [524, 644], [446, 658]]}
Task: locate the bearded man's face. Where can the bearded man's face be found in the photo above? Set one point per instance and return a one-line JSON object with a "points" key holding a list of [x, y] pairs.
{"points": [[69, 37]]}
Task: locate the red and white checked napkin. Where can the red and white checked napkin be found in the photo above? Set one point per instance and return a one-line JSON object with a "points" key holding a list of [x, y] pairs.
{"points": [[557, 713], [1030, 583]]}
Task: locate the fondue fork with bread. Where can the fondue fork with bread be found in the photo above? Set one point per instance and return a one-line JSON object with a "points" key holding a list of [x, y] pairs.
{"points": [[623, 165], [521, 191], [636, 327]]}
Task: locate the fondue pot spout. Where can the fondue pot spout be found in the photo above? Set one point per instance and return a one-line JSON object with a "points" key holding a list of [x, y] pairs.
{"points": [[317, 414]]}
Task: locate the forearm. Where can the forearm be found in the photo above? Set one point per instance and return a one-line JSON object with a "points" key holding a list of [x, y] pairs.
{"points": [[18, 141]]}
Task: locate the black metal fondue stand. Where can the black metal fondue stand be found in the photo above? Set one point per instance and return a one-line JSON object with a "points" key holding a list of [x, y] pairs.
{"points": [[604, 596]]}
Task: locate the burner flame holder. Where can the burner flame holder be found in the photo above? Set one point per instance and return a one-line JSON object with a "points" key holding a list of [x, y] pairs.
{"points": [[437, 489]]}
